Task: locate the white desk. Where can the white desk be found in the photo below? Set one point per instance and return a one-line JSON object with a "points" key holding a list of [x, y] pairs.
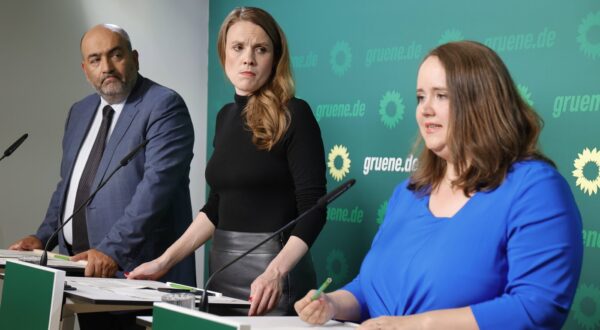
{"points": [[270, 323], [70, 267], [107, 295]]}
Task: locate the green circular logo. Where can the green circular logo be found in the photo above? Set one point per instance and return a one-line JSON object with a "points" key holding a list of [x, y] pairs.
{"points": [[585, 45], [337, 266], [451, 35], [391, 98], [340, 58], [586, 306], [381, 212], [525, 94]]}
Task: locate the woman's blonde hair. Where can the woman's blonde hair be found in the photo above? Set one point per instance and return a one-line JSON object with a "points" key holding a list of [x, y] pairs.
{"points": [[491, 126], [266, 113]]}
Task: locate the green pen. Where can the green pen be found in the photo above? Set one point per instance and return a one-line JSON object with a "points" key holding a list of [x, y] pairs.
{"points": [[65, 258], [321, 289], [61, 257], [53, 255], [181, 286]]}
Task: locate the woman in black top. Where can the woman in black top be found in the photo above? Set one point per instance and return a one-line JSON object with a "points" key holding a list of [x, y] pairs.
{"points": [[267, 167]]}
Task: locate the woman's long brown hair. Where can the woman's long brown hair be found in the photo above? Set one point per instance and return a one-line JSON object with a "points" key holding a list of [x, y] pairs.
{"points": [[266, 113], [491, 126]]}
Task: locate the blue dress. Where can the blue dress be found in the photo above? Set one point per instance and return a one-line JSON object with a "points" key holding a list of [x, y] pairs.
{"points": [[513, 254]]}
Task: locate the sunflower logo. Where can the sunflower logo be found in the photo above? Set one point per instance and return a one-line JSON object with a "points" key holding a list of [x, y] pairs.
{"points": [[585, 45], [588, 317], [525, 94], [381, 212], [339, 151], [337, 266], [587, 157], [391, 97], [451, 35], [340, 48]]}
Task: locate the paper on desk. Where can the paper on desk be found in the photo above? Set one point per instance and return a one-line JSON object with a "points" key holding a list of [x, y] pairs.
{"points": [[65, 264], [278, 322], [56, 256], [33, 257], [288, 323], [51, 263], [15, 254], [223, 300], [120, 287], [115, 282]]}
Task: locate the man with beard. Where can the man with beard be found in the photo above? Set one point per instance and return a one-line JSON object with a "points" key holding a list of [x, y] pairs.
{"points": [[146, 205]]}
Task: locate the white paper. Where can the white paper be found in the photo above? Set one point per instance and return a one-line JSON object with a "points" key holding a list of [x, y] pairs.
{"points": [[286, 322], [51, 262], [15, 254], [278, 322]]}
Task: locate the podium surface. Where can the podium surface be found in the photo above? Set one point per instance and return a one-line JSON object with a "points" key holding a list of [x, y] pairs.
{"points": [[264, 322], [108, 295]]}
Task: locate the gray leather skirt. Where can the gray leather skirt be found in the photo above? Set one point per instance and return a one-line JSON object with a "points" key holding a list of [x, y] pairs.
{"points": [[235, 281]]}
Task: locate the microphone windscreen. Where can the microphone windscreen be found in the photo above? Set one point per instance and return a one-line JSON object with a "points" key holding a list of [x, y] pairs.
{"points": [[15, 145]]}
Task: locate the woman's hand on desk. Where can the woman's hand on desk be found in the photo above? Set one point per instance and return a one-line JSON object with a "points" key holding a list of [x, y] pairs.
{"points": [[151, 270], [265, 292]]}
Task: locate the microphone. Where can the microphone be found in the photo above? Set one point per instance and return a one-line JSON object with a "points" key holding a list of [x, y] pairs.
{"points": [[122, 163], [321, 203], [14, 146]]}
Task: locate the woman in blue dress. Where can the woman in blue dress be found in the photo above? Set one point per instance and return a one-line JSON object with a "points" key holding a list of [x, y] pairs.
{"points": [[486, 233]]}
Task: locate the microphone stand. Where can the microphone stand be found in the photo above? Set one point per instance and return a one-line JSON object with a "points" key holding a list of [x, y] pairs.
{"points": [[122, 163], [322, 202]]}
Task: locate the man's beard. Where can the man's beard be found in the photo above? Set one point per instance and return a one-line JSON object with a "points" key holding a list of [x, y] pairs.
{"points": [[115, 89]]}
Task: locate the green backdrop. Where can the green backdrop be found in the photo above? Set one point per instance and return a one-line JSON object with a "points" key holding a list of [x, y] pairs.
{"points": [[355, 63]]}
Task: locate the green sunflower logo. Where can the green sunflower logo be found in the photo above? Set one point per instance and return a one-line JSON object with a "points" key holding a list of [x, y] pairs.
{"points": [[588, 186], [589, 48], [525, 94], [586, 306], [337, 266], [451, 35], [340, 58], [381, 212], [342, 152], [391, 98]]}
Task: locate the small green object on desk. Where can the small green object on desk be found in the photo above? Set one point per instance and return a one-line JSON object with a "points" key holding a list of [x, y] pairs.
{"points": [[181, 286], [61, 257]]}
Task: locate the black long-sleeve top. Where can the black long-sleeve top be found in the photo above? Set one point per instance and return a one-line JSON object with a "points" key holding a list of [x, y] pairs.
{"points": [[255, 190]]}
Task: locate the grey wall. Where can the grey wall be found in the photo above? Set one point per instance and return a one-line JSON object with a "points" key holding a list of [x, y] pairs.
{"points": [[40, 77]]}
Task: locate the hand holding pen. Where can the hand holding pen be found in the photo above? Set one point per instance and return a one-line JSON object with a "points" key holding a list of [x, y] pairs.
{"points": [[316, 307]]}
